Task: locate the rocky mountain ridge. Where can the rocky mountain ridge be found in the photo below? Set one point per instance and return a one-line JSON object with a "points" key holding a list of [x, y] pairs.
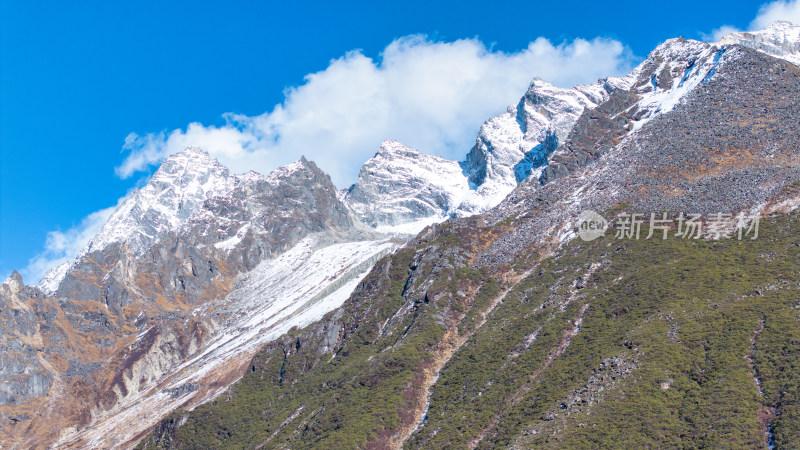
{"points": [[502, 330], [518, 144], [179, 187], [200, 269], [135, 307]]}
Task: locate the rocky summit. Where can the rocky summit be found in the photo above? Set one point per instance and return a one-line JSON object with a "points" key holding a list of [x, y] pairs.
{"points": [[450, 304]]}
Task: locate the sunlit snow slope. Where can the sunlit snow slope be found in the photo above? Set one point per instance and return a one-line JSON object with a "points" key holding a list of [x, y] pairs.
{"points": [[292, 290]]}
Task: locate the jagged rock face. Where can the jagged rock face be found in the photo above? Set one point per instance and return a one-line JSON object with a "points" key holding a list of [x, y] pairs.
{"points": [[24, 375], [257, 219], [595, 132], [400, 185], [512, 145], [545, 107], [137, 302], [179, 187], [264, 216]]}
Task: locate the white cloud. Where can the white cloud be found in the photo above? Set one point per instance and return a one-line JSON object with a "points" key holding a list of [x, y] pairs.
{"points": [[788, 10], [429, 95], [777, 10], [719, 33], [62, 246]]}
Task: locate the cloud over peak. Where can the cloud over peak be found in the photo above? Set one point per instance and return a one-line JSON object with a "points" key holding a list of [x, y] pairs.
{"points": [[778, 10], [428, 94]]}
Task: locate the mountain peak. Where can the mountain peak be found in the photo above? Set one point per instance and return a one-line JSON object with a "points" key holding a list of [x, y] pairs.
{"points": [[199, 158], [180, 185], [401, 189], [390, 146], [538, 83], [780, 30], [282, 172], [14, 282], [193, 149], [190, 172], [782, 25], [781, 39]]}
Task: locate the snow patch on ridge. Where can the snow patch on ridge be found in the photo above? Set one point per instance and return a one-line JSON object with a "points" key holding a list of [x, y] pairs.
{"points": [[293, 289]]}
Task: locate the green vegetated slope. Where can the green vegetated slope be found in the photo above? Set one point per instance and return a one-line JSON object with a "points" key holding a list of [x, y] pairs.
{"points": [[607, 344], [672, 337]]}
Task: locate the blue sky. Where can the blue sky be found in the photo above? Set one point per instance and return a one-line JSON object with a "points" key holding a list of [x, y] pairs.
{"points": [[77, 78]]}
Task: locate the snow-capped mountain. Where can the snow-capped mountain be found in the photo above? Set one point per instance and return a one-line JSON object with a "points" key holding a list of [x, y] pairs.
{"points": [[402, 189], [152, 289], [180, 186], [780, 39], [660, 84], [462, 339], [186, 193], [513, 145], [196, 271]]}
